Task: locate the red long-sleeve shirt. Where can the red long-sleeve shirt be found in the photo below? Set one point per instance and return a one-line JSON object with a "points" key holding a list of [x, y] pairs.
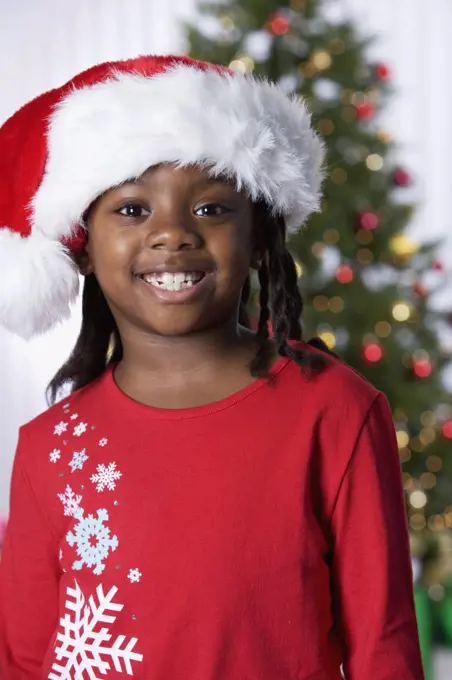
{"points": [[262, 537]]}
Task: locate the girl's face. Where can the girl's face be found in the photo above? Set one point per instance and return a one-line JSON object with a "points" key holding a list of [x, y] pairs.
{"points": [[171, 251]]}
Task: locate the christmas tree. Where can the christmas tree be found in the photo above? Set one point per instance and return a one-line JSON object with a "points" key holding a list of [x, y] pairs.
{"points": [[367, 284]]}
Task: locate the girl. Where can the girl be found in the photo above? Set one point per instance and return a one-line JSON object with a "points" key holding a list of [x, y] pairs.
{"points": [[208, 503]]}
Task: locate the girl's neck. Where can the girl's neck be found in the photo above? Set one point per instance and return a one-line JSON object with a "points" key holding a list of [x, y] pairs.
{"points": [[186, 371]]}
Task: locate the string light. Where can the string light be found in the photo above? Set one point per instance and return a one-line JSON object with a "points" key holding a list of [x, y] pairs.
{"points": [[418, 499], [328, 338], [344, 274], [321, 60], [403, 246], [317, 249], [427, 435], [336, 305], [325, 126], [331, 236], [402, 438], [428, 480], [428, 419], [364, 237], [405, 455], [374, 162], [416, 445], [401, 311], [383, 329], [364, 256], [243, 64], [373, 352], [418, 522], [320, 303], [339, 176], [434, 463], [447, 429]]}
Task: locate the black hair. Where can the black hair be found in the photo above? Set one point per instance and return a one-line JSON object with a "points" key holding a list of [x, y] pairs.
{"points": [[280, 303]]}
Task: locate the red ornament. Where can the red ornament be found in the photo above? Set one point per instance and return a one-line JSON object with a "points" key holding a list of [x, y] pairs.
{"points": [[344, 273], [437, 265], [368, 220], [365, 111], [420, 290], [383, 72], [373, 352], [422, 368], [402, 178], [278, 24], [447, 429]]}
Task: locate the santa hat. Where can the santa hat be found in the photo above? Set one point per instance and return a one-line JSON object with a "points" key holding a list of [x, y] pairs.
{"points": [[109, 124]]}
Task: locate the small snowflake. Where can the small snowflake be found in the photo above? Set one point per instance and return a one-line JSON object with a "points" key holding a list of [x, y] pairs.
{"points": [[54, 455], [134, 575], [66, 406], [78, 460], [74, 416], [103, 442], [80, 429], [92, 539], [60, 428], [70, 501], [106, 476]]}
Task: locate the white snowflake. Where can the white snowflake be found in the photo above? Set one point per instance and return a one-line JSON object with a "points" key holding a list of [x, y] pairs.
{"points": [[70, 500], [74, 416], [78, 460], [60, 428], [80, 429], [54, 455], [106, 476], [134, 575], [65, 406], [84, 647], [103, 442], [92, 539]]}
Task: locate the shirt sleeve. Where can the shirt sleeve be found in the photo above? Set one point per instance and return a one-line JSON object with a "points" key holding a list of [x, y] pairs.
{"points": [[372, 574], [29, 574]]}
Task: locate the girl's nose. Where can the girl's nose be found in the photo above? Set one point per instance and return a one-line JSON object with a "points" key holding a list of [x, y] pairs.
{"points": [[173, 235]]}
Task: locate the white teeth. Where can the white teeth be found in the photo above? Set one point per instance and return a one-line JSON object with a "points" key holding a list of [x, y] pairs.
{"points": [[176, 281]]}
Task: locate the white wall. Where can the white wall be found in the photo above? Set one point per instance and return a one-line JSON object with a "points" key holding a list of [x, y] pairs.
{"points": [[45, 42]]}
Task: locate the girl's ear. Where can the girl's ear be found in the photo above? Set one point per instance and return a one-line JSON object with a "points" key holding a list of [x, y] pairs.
{"points": [[84, 263]]}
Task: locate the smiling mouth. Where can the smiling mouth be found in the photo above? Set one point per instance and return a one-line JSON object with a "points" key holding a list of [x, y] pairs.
{"points": [[173, 281]]}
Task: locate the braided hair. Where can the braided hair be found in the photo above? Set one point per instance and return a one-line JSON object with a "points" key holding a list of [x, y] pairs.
{"points": [[99, 343]]}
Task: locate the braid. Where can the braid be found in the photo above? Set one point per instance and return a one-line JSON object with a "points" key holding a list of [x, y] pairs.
{"points": [[98, 343], [279, 292]]}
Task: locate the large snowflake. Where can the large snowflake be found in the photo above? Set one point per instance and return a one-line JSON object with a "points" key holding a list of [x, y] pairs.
{"points": [[70, 500], [92, 539], [106, 476], [83, 648]]}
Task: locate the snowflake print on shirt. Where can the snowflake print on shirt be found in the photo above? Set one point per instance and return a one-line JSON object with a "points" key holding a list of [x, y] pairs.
{"points": [[80, 429], [134, 575], [84, 646], [54, 455], [74, 416], [103, 442], [70, 500], [78, 460], [92, 539], [60, 428], [106, 476]]}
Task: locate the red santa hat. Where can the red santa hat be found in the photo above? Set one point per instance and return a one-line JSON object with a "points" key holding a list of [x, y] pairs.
{"points": [[109, 124]]}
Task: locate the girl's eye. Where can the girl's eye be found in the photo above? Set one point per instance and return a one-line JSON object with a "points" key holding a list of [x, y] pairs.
{"points": [[133, 210], [211, 210]]}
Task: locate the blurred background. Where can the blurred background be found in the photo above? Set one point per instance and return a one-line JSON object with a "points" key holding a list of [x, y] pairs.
{"points": [[375, 267]]}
